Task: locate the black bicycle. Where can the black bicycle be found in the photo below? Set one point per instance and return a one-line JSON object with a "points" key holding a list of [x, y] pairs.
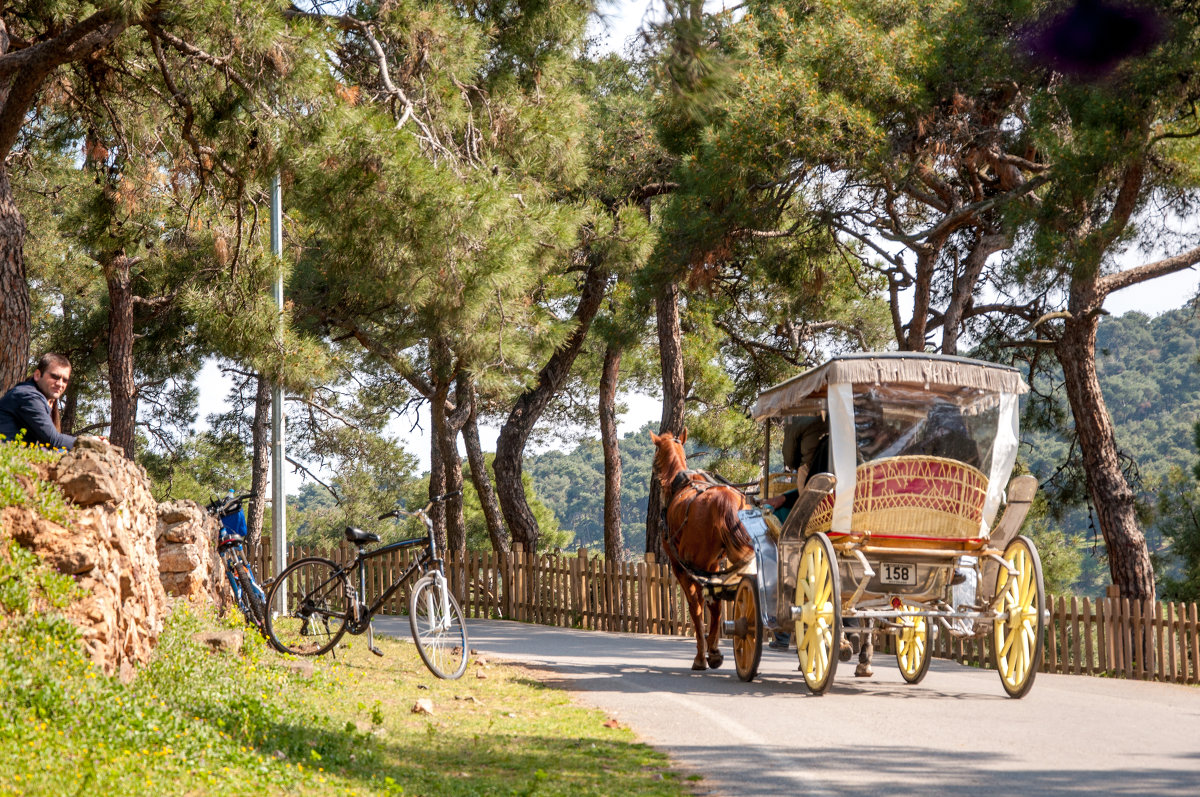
{"points": [[249, 595], [324, 600]]}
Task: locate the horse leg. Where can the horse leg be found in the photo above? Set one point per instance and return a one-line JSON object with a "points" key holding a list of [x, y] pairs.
{"points": [[846, 648], [695, 603], [715, 657], [865, 650]]}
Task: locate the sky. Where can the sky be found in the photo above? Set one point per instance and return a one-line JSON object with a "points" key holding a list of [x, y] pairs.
{"points": [[621, 20]]}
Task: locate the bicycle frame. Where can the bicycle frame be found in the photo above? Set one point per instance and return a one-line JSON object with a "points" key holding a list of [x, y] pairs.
{"points": [[331, 599], [424, 563]]}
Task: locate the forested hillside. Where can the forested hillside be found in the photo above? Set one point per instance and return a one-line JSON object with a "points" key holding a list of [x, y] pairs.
{"points": [[572, 485], [1150, 372]]}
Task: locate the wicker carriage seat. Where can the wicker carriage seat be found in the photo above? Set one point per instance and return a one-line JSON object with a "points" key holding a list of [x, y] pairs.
{"points": [[921, 501]]}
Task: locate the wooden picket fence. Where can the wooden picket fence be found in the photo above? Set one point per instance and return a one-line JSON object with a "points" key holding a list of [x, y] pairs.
{"points": [[1111, 636], [1108, 636], [569, 590]]}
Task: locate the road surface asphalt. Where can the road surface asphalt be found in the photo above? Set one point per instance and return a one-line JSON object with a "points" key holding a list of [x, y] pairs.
{"points": [[955, 733]]}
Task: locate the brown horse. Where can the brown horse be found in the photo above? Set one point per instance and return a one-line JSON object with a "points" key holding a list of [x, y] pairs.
{"points": [[702, 529]]}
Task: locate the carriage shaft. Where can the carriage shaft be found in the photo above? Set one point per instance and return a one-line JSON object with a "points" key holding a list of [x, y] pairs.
{"points": [[893, 614]]}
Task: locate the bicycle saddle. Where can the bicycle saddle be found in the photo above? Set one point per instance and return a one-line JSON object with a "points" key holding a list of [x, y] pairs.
{"points": [[359, 536]]}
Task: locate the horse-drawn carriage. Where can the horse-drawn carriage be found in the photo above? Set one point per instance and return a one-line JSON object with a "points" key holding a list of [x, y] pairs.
{"points": [[898, 532]]}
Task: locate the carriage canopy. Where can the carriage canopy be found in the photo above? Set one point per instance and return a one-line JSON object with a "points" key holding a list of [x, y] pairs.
{"points": [[885, 405]]}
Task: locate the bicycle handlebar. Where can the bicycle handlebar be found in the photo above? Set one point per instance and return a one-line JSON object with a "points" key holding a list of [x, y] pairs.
{"points": [[227, 503], [399, 512]]}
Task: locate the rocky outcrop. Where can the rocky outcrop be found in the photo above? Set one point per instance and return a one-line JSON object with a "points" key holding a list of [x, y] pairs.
{"points": [[114, 543], [109, 546], [188, 565]]}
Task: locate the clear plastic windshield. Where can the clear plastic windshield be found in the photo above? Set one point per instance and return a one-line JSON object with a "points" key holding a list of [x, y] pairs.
{"points": [[901, 420]]}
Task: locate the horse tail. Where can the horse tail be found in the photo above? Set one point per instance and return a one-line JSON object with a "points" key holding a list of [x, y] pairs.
{"points": [[736, 535]]}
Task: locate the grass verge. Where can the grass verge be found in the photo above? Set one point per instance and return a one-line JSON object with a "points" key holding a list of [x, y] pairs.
{"points": [[196, 722]]}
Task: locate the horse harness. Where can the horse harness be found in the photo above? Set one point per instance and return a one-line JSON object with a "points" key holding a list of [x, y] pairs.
{"points": [[710, 581]]}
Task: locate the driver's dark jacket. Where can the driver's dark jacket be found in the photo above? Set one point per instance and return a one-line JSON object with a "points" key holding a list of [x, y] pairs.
{"points": [[24, 407]]}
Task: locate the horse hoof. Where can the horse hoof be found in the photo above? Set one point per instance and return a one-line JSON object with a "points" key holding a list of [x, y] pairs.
{"points": [[846, 651], [863, 671], [699, 664], [715, 660]]}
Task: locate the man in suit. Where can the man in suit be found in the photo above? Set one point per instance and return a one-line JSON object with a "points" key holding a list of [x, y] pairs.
{"points": [[806, 451], [32, 406]]}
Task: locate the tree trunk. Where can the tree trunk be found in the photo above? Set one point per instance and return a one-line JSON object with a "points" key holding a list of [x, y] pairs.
{"points": [[1112, 497], [670, 354], [480, 477], [437, 463], [456, 528], [613, 544], [510, 447], [986, 245], [121, 383], [260, 445], [14, 290], [70, 407], [926, 262]]}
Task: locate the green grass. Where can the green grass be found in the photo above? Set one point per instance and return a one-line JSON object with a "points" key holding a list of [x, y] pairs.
{"points": [[20, 484], [201, 723], [197, 723]]}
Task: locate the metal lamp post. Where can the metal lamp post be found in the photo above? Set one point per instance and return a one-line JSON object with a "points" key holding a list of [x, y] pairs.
{"points": [[278, 495]]}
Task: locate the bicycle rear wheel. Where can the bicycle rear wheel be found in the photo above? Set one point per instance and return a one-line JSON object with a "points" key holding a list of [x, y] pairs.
{"points": [[252, 598], [314, 617], [438, 628]]}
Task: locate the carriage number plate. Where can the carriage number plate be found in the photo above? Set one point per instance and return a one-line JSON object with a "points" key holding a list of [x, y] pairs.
{"points": [[895, 573]]}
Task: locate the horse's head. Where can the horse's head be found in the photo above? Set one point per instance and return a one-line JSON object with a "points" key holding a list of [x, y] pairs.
{"points": [[669, 458]]}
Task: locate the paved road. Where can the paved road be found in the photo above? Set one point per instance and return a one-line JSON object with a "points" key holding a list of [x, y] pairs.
{"points": [[956, 733]]}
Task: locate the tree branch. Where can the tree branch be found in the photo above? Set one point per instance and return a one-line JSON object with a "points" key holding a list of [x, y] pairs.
{"points": [[219, 63], [1123, 207], [25, 70], [952, 221], [72, 43], [651, 190], [325, 411], [1149, 271], [821, 326], [302, 468]]}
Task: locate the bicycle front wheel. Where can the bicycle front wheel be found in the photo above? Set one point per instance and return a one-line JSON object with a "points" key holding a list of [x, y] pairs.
{"points": [[314, 615], [438, 627]]}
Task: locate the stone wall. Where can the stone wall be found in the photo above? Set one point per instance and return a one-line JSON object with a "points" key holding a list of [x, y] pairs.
{"points": [[112, 546]]}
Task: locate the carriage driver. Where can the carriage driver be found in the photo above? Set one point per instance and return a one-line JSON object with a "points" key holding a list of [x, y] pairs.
{"points": [[806, 451]]}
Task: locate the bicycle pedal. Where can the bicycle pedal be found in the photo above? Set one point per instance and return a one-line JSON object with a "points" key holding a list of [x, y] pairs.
{"points": [[375, 650]]}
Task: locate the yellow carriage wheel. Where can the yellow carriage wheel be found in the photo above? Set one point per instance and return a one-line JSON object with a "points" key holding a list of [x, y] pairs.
{"points": [[747, 629], [1017, 634], [912, 646], [819, 599]]}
